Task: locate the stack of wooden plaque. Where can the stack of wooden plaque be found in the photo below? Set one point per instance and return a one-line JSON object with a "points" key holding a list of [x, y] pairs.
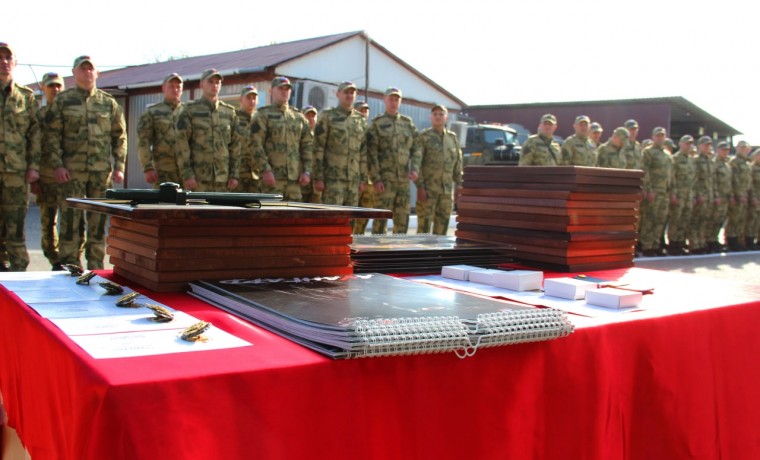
{"points": [[566, 218], [164, 247]]}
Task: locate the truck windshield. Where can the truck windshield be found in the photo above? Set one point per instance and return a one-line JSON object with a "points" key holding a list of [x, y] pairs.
{"points": [[491, 135]]}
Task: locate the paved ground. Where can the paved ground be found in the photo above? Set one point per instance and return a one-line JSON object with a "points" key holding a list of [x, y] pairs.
{"points": [[743, 266]]}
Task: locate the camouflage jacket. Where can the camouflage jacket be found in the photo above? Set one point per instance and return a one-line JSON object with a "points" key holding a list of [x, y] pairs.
{"points": [[282, 142], [540, 151], [157, 137], [658, 166], [722, 178], [683, 175], [632, 152], [46, 171], [19, 130], [741, 178], [441, 161], [577, 151], [609, 156], [393, 148], [340, 152], [755, 181], [247, 166], [84, 129], [208, 142], [704, 178]]}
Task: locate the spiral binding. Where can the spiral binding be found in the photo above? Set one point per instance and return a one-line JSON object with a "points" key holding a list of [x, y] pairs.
{"points": [[520, 326]]}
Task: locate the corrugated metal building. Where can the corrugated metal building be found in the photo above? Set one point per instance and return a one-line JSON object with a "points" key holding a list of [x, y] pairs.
{"points": [[316, 66]]}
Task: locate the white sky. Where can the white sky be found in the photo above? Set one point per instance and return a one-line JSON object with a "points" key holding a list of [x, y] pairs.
{"points": [[484, 52]]}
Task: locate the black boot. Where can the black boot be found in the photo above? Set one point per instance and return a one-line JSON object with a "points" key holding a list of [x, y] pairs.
{"points": [[713, 247], [749, 244], [733, 244]]}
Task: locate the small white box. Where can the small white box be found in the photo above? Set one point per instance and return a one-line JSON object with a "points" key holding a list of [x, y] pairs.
{"points": [[567, 288], [483, 276], [458, 272], [613, 298], [518, 280]]}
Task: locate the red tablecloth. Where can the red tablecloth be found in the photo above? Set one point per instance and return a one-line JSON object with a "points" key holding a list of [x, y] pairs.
{"points": [[652, 386]]}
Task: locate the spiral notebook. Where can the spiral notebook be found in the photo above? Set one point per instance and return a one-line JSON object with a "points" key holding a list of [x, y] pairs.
{"points": [[371, 314]]}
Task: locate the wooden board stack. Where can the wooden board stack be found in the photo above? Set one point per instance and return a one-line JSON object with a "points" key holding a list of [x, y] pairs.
{"points": [[164, 247], [566, 218]]}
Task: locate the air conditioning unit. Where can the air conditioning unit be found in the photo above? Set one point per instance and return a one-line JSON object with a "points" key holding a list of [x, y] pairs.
{"points": [[320, 95]]}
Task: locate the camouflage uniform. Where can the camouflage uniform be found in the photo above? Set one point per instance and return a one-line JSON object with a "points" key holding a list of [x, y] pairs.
{"points": [[681, 187], [632, 152], [282, 143], [741, 181], [609, 156], [722, 182], [753, 212], [157, 141], [249, 178], [340, 155], [657, 166], [704, 197], [441, 168], [577, 151], [19, 152], [84, 131], [540, 151], [366, 200], [393, 150]]}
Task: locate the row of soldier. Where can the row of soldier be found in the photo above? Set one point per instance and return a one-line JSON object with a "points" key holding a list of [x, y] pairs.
{"points": [[690, 193], [76, 146]]}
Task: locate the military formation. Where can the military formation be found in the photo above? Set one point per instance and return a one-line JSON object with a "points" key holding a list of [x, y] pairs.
{"points": [[691, 193]]}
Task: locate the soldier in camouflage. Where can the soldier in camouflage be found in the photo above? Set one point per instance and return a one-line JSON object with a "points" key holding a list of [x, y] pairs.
{"points": [[367, 196], [157, 135], [681, 197], [393, 158], [595, 131], [340, 154], [47, 190], [741, 181], [632, 148], [577, 150], [722, 187], [704, 197], [282, 144], [208, 140], [541, 149], [249, 175], [611, 154], [440, 174], [308, 193], [657, 166], [753, 211], [86, 144], [19, 157]]}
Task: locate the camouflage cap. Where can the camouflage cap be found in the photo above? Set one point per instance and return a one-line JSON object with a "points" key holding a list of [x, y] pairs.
{"points": [[81, 60], [705, 140], [621, 131], [393, 90], [7, 47], [550, 118], [582, 118], [439, 107], [658, 130], [308, 108], [631, 124], [686, 138], [742, 144], [361, 105], [595, 127], [669, 142], [281, 81], [723, 145], [172, 76], [51, 78], [249, 89], [208, 73], [346, 85]]}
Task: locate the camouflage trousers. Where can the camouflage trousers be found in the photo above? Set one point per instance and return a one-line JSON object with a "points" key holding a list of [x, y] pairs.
{"points": [[83, 185], [366, 200], [290, 190], [396, 198], [654, 215], [753, 221], [701, 224], [14, 199], [679, 216], [49, 202], [341, 192], [217, 187], [167, 175], [309, 195], [435, 211], [737, 219], [718, 220], [247, 185]]}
